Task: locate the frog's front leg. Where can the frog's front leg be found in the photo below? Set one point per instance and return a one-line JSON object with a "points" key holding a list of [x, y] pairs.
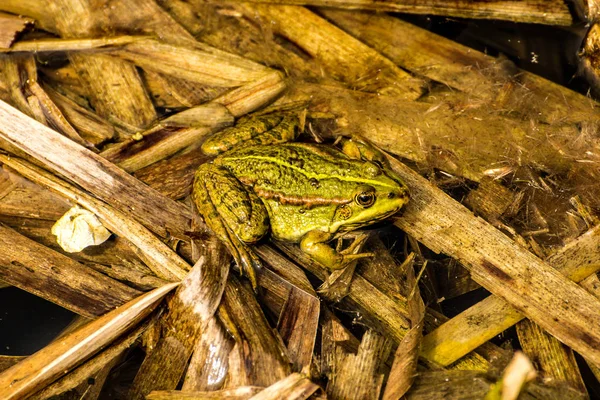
{"points": [[314, 243], [236, 215]]}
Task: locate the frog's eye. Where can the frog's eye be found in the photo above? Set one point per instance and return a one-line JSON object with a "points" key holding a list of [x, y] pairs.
{"points": [[365, 199]]}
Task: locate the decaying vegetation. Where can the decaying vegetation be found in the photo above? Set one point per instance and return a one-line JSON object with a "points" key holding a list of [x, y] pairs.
{"points": [[105, 107]]}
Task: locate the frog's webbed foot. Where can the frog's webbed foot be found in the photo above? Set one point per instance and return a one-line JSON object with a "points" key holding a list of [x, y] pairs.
{"points": [[264, 129], [314, 243], [235, 215], [358, 240]]}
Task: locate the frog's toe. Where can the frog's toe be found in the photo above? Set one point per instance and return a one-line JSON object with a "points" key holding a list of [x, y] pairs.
{"points": [[247, 261]]}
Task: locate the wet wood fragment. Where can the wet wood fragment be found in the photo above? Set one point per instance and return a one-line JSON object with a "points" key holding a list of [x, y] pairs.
{"points": [[56, 359], [259, 357], [50, 275], [208, 366], [298, 322]]}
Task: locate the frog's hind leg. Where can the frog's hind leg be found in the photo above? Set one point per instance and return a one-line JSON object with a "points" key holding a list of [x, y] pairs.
{"points": [[234, 214], [265, 129]]}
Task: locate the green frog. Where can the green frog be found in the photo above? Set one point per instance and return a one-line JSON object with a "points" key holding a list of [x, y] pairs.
{"points": [[305, 193]]}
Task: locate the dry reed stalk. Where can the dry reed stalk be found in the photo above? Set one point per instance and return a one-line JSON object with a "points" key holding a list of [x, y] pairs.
{"points": [[500, 265], [57, 278], [358, 374], [451, 341], [56, 359], [343, 57], [203, 65], [100, 363], [239, 393], [93, 173], [294, 387], [554, 361], [10, 27], [190, 309], [553, 12], [163, 261], [81, 44]]}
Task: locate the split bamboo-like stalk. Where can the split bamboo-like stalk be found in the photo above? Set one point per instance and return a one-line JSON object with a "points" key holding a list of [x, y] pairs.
{"points": [[553, 360], [190, 309], [358, 375], [258, 356]]}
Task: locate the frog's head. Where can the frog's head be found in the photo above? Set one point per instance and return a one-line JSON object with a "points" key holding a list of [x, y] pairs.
{"points": [[377, 196]]}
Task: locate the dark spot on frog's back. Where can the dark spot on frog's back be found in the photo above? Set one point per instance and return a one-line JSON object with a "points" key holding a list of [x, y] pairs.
{"points": [[297, 162], [314, 183], [494, 270]]}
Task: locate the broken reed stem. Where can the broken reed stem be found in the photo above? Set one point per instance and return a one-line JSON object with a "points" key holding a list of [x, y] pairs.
{"points": [[82, 44]]}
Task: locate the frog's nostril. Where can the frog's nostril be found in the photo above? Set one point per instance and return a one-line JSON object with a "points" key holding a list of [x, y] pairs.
{"points": [[391, 195]]}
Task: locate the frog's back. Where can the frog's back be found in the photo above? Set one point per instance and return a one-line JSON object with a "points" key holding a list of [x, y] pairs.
{"points": [[295, 173]]}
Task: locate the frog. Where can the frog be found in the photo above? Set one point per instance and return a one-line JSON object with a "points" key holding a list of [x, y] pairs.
{"points": [[263, 181]]}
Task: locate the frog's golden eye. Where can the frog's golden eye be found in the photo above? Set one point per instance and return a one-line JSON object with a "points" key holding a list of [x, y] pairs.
{"points": [[365, 199]]}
